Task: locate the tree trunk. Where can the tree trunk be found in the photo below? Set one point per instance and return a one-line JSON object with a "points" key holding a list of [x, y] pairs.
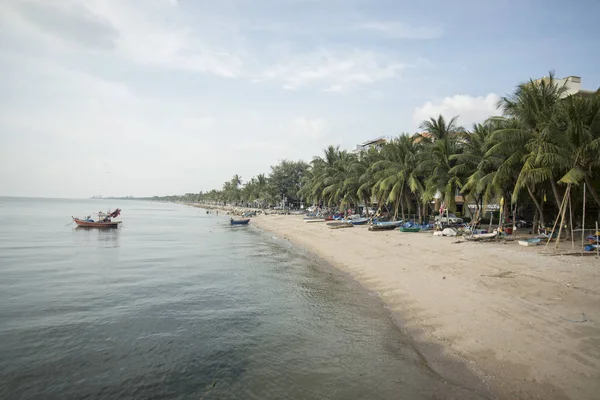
{"points": [[591, 189], [537, 205], [402, 206], [557, 196]]}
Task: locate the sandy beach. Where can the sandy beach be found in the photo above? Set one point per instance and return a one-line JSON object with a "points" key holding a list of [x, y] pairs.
{"points": [[525, 322]]}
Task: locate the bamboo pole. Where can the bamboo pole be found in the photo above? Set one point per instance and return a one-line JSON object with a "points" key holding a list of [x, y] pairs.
{"points": [[596, 240], [583, 222], [555, 222], [571, 218], [562, 218]]}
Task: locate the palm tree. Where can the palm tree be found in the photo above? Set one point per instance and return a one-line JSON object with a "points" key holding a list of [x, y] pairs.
{"points": [[396, 174], [582, 131], [440, 141]]}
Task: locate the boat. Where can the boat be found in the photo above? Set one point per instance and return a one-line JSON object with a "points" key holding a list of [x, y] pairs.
{"points": [[410, 229], [481, 236], [104, 220], [339, 225], [593, 239], [378, 227], [530, 242], [384, 225], [239, 221], [314, 220], [359, 221]]}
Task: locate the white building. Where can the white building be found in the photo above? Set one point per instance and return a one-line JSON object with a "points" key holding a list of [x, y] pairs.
{"points": [[572, 85], [376, 143]]}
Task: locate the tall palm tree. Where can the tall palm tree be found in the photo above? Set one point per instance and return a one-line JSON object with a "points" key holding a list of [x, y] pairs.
{"points": [[440, 140]]}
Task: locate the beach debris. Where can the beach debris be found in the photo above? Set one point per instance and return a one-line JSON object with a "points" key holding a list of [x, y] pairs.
{"points": [[577, 321]]}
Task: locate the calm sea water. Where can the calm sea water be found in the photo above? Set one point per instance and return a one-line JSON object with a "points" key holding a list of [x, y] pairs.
{"points": [[176, 304]]}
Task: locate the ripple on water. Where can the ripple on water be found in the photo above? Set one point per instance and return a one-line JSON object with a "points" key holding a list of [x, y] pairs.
{"points": [[177, 305]]}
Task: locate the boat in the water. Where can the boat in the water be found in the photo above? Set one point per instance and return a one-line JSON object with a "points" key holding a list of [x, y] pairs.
{"points": [[239, 221], [529, 242], [104, 220]]}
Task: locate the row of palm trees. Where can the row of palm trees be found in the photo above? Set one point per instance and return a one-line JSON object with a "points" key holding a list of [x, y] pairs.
{"points": [[544, 142]]}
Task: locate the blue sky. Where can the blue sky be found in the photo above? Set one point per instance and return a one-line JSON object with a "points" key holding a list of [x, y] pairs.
{"points": [[144, 97]]}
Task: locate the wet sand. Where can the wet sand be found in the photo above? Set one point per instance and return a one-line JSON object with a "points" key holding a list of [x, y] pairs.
{"points": [[513, 315]]}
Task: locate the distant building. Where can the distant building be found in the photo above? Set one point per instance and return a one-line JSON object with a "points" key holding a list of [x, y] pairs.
{"points": [[376, 143], [572, 85]]}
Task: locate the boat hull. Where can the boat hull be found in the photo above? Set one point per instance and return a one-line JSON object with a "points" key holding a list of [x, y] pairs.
{"points": [[101, 225], [403, 229], [529, 242], [239, 221]]}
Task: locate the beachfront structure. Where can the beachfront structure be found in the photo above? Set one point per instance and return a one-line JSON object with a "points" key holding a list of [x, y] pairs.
{"points": [[376, 143], [572, 84]]}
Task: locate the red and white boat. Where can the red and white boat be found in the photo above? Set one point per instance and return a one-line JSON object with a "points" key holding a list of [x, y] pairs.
{"points": [[104, 220]]}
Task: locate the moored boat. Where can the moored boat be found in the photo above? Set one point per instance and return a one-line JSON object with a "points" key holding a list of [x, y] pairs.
{"points": [[410, 229], [481, 236], [104, 220], [377, 227], [359, 221], [339, 225], [239, 221], [529, 242]]}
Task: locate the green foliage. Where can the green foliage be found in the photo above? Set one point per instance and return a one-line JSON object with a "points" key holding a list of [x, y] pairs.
{"points": [[544, 141]]}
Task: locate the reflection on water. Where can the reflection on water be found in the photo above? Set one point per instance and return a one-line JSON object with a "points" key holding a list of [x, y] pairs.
{"points": [[175, 304], [101, 237]]}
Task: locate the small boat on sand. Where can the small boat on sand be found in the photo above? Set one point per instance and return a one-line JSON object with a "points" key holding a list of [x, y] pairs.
{"points": [[359, 221], [104, 220], [529, 242], [339, 225], [481, 236], [410, 229], [239, 221], [384, 226]]}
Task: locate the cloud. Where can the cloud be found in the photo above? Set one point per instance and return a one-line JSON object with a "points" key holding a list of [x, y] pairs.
{"points": [[399, 30], [470, 109], [334, 71], [151, 33]]}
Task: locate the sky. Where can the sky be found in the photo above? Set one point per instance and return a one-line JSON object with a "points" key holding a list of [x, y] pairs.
{"points": [[156, 97]]}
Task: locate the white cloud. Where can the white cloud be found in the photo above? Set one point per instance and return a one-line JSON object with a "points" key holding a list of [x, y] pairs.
{"points": [[334, 71], [470, 109], [399, 30], [151, 33]]}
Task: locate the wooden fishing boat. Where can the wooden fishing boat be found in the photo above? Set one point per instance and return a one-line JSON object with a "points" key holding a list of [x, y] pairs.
{"points": [[359, 221], [104, 220], [410, 229], [529, 242], [314, 220], [239, 221], [384, 225], [81, 223], [377, 227], [339, 225], [481, 237]]}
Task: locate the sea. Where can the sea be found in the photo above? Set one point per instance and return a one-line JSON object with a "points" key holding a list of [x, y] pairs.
{"points": [[178, 304]]}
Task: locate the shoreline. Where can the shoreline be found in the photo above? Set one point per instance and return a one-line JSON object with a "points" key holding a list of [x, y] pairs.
{"points": [[506, 312]]}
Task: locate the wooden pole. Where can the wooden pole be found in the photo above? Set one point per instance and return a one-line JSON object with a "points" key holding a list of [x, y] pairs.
{"points": [[583, 222], [571, 218], [596, 240], [555, 222], [562, 218]]}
